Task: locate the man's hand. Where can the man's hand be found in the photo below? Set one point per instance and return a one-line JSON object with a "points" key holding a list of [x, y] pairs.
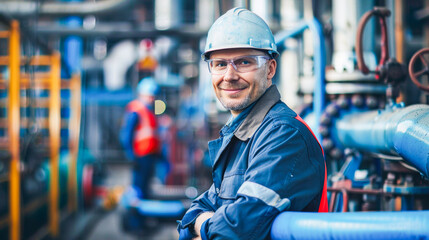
{"points": [[199, 221]]}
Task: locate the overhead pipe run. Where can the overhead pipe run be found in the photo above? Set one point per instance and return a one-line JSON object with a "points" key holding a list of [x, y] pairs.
{"points": [[23, 9], [30, 8], [123, 30]]}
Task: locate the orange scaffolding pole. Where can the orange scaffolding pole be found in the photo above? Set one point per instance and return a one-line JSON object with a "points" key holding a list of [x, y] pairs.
{"points": [[75, 108], [54, 138], [13, 131]]}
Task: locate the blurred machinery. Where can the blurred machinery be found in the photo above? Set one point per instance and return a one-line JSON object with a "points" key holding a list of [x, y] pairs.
{"points": [[357, 73], [376, 148]]}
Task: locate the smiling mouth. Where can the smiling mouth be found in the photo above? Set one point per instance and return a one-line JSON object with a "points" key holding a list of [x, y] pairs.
{"points": [[233, 91]]}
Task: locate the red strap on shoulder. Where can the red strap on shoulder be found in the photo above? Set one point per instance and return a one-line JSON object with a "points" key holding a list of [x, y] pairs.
{"points": [[323, 206]]}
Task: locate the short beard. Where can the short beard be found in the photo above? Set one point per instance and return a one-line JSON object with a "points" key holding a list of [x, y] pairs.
{"points": [[236, 107]]}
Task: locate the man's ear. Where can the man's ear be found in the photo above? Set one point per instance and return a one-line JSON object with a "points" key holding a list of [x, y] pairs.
{"points": [[272, 68]]}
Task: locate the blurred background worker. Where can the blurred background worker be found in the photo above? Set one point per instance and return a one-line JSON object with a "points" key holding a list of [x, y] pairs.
{"points": [[139, 135]]}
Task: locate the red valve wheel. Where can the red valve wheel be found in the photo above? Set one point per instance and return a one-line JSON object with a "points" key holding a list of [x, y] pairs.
{"points": [[415, 75], [381, 13]]}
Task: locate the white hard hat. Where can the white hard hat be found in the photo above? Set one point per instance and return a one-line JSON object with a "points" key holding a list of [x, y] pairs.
{"points": [[240, 28]]}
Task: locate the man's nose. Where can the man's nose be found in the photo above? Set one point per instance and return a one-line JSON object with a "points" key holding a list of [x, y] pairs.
{"points": [[231, 73]]}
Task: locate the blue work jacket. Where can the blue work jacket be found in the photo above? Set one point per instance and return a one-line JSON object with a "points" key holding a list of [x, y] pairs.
{"points": [[269, 163]]}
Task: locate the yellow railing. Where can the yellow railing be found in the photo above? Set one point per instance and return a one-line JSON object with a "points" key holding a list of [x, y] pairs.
{"points": [[13, 131], [49, 80]]}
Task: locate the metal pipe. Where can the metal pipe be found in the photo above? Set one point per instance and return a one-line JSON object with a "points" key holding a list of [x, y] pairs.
{"points": [[168, 14], [264, 9], [396, 130], [351, 225], [122, 30], [31, 8], [319, 64]]}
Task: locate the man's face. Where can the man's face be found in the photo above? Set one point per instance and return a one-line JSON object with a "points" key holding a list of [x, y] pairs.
{"points": [[237, 90]]}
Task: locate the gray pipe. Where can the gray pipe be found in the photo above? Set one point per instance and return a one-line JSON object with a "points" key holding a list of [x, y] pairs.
{"points": [[122, 30], [30, 8], [397, 131]]}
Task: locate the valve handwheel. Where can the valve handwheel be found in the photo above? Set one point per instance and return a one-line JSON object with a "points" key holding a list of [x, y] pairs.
{"points": [[380, 13], [388, 70], [415, 75]]}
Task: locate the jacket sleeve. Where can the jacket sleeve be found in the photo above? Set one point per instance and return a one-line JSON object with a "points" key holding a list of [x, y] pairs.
{"points": [[204, 203], [127, 133], [283, 174]]}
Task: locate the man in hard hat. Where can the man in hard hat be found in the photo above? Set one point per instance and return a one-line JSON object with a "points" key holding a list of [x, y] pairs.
{"points": [[139, 135], [266, 160]]}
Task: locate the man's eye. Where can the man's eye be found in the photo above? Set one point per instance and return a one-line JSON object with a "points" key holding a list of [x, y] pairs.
{"points": [[244, 61], [219, 64]]}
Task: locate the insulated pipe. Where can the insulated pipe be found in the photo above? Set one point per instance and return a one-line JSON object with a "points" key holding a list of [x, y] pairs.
{"points": [[319, 64], [396, 130], [30, 8], [351, 225]]}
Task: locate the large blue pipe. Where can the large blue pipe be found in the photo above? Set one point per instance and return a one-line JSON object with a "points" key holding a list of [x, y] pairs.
{"points": [[396, 131], [351, 225]]}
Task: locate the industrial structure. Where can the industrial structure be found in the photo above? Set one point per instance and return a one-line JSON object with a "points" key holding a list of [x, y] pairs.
{"points": [[356, 71]]}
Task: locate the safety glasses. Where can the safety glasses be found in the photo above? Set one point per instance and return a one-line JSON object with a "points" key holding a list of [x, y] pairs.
{"points": [[241, 64]]}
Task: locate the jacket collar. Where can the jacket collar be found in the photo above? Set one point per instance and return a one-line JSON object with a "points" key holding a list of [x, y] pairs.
{"points": [[257, 114]]}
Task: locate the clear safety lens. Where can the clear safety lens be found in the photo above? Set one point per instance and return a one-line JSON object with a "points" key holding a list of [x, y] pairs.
{"points": [[240, 64]]}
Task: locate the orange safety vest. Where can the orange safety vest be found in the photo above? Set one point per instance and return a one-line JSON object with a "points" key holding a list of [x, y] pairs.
{"points": [[145, 139]]}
